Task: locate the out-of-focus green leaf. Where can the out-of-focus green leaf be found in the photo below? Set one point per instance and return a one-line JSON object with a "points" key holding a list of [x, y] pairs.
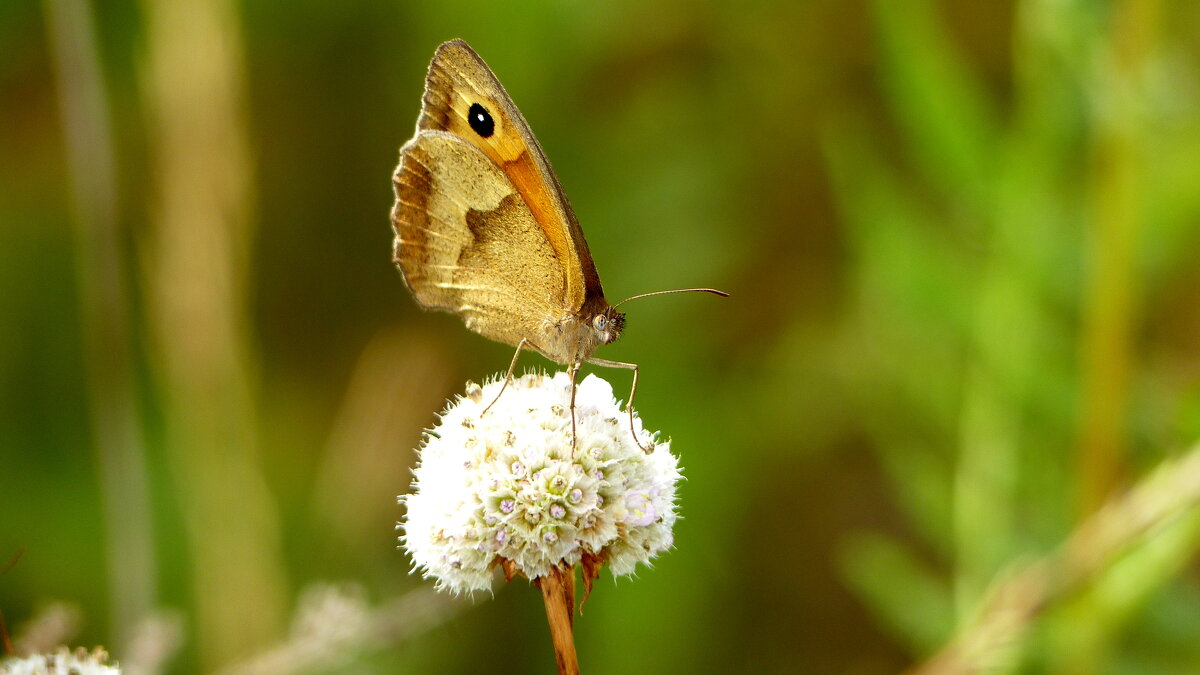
{"points": [[950, 124], [907, 597], [913, 286], [927, 498]]}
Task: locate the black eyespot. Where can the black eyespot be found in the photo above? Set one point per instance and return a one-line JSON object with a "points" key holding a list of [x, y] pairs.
{"points": [[481, 120]]}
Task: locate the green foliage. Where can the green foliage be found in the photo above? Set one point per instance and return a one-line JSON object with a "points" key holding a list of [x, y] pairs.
{"points": [[973, 273]]}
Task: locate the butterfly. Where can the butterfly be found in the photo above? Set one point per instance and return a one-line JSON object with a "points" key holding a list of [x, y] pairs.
{"points": [[484, 230]]}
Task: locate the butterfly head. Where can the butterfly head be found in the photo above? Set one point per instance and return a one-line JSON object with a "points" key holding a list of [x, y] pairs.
{"points": [[608, 325]]}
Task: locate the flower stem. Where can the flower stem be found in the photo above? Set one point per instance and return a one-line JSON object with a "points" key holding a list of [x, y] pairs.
{"points": [[558, 592]]}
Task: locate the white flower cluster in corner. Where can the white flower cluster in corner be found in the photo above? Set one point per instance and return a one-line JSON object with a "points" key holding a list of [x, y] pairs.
{"points": [[509, 486], [62, 662]]}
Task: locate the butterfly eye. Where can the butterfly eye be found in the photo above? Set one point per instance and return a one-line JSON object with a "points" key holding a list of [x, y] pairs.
{"points": [[481, 120], [600, 322]]}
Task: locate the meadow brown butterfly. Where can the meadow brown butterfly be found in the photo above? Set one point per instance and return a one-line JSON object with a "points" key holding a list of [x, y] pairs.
{"points": [[484, 230]]}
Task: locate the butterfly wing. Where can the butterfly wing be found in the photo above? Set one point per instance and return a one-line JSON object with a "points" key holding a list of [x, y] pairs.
{"points": [[458, 79], [460, 225]]}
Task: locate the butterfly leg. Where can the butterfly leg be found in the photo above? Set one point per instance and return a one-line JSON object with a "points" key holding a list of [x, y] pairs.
{"points": [[508, 378], [632, 392], [573, 370]]}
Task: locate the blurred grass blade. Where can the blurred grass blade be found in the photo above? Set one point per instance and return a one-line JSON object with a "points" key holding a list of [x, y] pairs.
{"points": [[942, 106], [914, 292], [1153, 528], [104, 314], [1109, 303], [1096, 616], [196, 288]]}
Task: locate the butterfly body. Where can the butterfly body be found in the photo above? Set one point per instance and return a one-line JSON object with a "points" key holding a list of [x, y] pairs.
{"points": [[482, 227]]}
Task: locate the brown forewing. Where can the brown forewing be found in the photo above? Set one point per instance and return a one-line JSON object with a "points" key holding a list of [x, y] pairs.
{"points": [[467, 242], [457, 78]]}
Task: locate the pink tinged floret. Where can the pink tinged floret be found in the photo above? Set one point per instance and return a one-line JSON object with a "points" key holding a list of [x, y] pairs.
{"points": [[641, 509]]}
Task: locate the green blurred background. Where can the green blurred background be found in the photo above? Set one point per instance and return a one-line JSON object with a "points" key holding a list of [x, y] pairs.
{"points": [[961, 241]]}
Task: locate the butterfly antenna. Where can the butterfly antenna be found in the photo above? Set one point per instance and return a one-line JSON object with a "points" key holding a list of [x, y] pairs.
{"points": [[714, 291]]}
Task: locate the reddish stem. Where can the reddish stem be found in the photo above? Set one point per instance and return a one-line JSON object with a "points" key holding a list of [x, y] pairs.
{"points": [[558, 593]]}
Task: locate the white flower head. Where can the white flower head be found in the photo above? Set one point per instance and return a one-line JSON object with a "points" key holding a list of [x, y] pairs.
{"points": [[62, 662], [508, 487]]}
